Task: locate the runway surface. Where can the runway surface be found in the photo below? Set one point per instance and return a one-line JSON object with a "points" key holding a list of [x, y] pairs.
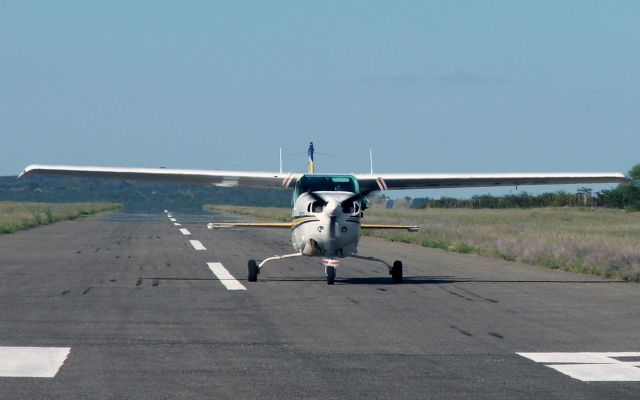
{"points": [[132, 309]]}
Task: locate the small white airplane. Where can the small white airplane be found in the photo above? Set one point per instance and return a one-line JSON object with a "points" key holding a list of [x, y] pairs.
{"points": [[327, 208]]}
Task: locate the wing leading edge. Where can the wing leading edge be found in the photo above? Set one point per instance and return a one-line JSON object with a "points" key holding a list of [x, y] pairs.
{"points": [[369, 182], [168, 175]]}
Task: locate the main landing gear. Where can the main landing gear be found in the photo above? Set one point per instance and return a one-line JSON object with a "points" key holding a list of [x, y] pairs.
{"points": [[395, 270], [253, 271], [253, 268]]}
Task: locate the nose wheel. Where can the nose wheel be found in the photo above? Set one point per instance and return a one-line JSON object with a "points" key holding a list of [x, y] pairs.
{"points": [[331, 275], [330, 265]]}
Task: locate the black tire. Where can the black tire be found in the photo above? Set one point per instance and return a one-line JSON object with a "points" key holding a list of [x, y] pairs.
{"points": [[396, 272], [252, 268], [331, 275]]}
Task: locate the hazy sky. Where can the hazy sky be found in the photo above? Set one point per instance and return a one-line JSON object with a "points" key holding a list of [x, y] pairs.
{"points": [[442, 86]]}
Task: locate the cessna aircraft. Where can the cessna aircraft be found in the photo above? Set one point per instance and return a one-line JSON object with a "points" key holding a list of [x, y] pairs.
{"points": [[327, 208]]}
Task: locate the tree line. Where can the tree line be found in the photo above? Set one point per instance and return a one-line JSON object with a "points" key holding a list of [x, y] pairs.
{"points": [[624, 196], [135, 195]]}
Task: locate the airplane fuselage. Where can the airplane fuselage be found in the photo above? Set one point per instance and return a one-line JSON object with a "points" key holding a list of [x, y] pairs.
{"points": [[327, 222]]}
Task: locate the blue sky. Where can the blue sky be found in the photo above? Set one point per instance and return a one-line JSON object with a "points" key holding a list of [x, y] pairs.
{"points": [[460, 86]]}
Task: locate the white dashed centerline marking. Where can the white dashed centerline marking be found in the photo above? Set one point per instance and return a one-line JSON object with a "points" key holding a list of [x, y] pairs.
{"points": [[197, 245], [172, 219], [185, 232], [169, 215], [177, 224], [225, 276], [32, 362]]}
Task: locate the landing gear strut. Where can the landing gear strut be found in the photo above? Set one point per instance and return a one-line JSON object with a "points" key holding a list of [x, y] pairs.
{"points": [[395, 270], [254, 268]]}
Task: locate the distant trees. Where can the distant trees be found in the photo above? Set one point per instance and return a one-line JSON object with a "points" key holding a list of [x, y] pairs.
{"points": [[135, 194], [625, 195]]}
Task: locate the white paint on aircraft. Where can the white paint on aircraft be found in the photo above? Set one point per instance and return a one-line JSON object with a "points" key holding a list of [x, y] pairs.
{"points": [[225, 277], [592, 367], [185, 232], [197, 245], [32, 362]]}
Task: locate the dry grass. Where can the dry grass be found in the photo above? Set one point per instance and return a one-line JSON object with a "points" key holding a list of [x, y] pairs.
{"points": [[15, 216], [602, 242], [262, 213]]}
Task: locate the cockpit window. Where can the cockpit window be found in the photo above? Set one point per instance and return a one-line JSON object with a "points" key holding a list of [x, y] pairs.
{"points": [[326, 183]]}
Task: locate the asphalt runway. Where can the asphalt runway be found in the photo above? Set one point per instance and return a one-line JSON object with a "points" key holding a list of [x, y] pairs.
{"points": [[142, 315]]}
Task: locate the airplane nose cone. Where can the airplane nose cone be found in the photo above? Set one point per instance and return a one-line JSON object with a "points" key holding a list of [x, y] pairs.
{"points": [[332, 208]]}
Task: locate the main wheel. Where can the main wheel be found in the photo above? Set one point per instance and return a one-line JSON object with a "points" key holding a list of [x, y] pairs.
{"points": [[331, 275], [253, 270], [396, 272]]}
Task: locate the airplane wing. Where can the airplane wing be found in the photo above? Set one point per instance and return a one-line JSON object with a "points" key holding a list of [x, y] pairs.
{"points": [[373, 182], [368, 182], [169, 175]]}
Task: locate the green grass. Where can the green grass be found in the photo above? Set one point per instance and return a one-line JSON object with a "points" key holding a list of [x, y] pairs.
{"points": [[15, 216], [603, 242]]}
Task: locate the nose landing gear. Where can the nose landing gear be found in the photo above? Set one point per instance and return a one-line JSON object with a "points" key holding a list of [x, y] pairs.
{"points": [[330, 265], [331, 275]]}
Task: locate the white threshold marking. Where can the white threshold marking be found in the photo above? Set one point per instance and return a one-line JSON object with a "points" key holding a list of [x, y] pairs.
{"points": [[177, 224], [172, 219], [32, 362], [589, 366], [225, 277], [197, 245], [185, 231]]}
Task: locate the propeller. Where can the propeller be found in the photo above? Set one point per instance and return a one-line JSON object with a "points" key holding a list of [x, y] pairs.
{"points": [[332, 227], [359, 197], [316, 197], [356, 197]]}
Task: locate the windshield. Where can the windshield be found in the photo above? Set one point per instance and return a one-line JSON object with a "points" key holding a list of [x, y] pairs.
{"points": [[326, 183]]}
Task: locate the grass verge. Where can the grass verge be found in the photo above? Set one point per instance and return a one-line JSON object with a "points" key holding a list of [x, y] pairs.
{"points": [[603, 242], [15, 216]]}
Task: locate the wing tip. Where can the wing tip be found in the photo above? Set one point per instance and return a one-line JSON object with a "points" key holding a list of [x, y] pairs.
{"points": [[28, 169]]}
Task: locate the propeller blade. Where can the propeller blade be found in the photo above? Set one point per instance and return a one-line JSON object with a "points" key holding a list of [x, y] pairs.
{"points": [[357, 196], [317, 197]]}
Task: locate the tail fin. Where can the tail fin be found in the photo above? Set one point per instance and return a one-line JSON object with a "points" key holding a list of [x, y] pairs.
{"points": [[310, 153]]}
